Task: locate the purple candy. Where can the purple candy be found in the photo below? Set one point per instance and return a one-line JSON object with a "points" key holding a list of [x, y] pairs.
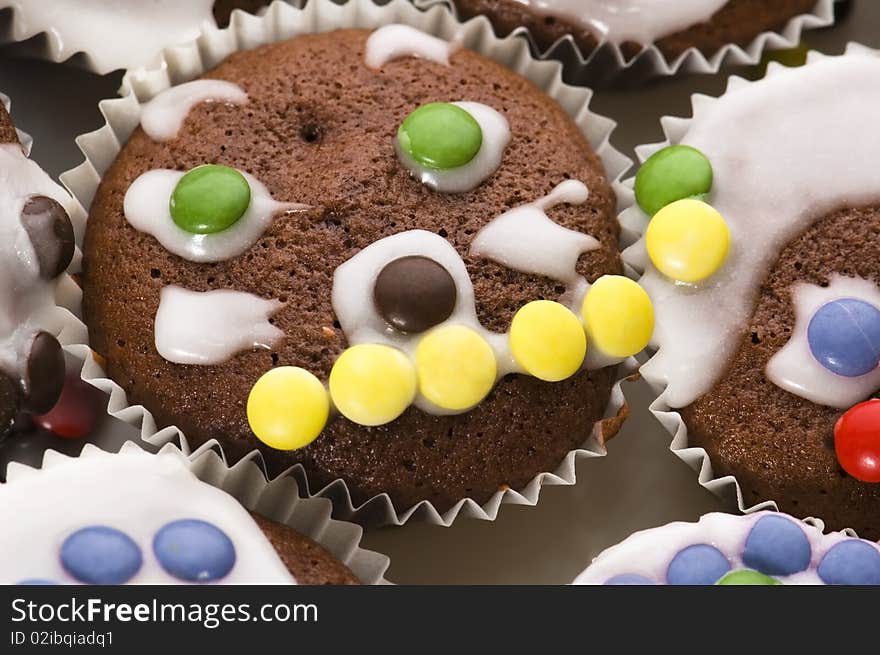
{"points": [[844, 337], [777, 546], [629, 579], [700, 564], [851, 562]]}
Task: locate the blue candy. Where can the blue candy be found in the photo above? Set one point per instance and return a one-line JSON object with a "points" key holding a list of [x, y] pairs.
{"points": [[844, 337], [195, 551], [851, 562], [777, 546], [101, 555], [629, 579], [36, 581], [700, 564]]}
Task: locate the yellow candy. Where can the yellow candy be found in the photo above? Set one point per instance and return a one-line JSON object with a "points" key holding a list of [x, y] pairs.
{"points": [[618, 315], [287, 408], [687, 240], [456, 367], [372, 384], [547, 340]]}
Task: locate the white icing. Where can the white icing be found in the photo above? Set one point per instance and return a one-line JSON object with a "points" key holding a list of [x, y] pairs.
{"points": [[527, 240], [649, 552], [27, 302], [146, 208], [163, 116], [120, 34], [395, 41], [796, 370], [135, 492], [619, 21], [210, 327], [496, 136], [772, 144]]}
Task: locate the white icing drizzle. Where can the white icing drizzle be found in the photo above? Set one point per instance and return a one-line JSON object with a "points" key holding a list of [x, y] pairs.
{"points": [[771, 182], [619, 21], [146, 208], [496, 136], [27, 302], [649, 552], [163, 116], [527, 240], [395, 41], [210, 327], [796, 370], [113, 34], [135, 492]]}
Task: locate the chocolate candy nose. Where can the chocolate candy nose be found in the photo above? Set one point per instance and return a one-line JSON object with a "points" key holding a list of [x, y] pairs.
{"points": [[9, 401], [45, 374], [51, 234]]}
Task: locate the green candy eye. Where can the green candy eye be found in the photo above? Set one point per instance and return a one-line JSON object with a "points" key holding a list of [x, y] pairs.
{"points": [[209, 199], [440, 135], [671, 174], [747, 577]]}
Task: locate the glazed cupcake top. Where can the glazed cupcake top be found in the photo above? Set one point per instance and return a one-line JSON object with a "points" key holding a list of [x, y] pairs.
{"points": [[131, 518], [765, 548]]}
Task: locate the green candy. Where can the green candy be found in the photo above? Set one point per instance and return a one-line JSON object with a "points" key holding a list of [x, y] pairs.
{"points": [[440, 135], [747, 577], [671, 174], [209, 199]]}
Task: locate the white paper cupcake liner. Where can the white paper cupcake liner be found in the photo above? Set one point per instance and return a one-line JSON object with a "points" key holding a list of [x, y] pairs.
{"points": [[607, 63], [635, 221], [279, 22], [275, 500]]}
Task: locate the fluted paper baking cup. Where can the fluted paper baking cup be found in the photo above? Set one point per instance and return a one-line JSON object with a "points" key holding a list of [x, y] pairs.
{"points": [[607, 62], [635, 221], [276, 500], [281, 21]]}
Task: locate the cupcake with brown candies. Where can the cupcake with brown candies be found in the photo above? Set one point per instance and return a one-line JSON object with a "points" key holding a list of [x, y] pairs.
{"points": [[763, 269], [355, 253], [765, 548]]}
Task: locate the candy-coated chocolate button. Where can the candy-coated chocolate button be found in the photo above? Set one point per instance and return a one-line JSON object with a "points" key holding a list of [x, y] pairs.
{"points": [[618, 316], [372, 384], [51, 234], [844, 336], [209, 199], [687, 240], [440, 135], [287, 408], [672, 174], [75, 414], [547, 340], [777, 546], [194, 550], [414, 293], [747, 577], [700, 564], [36, 582], [456, 367], [857, 441], [851, 562], [101, 555], [629, 579], [44, 378]]}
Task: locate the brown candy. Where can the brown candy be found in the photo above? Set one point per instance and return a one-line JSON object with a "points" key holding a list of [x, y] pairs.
{"points": [[9, 400], [45, 374], [414, 293], [51, 234]]}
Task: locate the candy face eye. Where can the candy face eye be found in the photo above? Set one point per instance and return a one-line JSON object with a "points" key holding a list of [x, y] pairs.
{"points": [[414, 293], [209, 199], [441, 136]]}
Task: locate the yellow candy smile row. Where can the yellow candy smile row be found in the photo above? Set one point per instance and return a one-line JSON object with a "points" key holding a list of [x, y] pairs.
{"points": [[453, 367]]}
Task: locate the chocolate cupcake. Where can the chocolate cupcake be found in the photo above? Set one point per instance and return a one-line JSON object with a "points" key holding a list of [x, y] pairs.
{"points": [[37, 238], [763, 269], [112, 35], [398, 275], [765, 548], [152, 521]]}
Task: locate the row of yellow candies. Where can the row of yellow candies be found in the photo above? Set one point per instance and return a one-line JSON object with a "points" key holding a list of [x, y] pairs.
{"points": [[455, 368]]}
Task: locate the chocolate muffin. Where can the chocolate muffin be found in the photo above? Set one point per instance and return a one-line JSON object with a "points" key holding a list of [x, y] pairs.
{"points": [[769, 322], [152, 521], [38, 245], [707, 25], [372, 262]]}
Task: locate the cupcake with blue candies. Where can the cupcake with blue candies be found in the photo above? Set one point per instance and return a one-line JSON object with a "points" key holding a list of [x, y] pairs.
{"points": [[760, 217], [764, 548]]}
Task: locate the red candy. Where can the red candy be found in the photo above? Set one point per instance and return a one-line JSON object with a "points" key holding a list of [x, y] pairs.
{"points": [[857, 441], [75, 414]]}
